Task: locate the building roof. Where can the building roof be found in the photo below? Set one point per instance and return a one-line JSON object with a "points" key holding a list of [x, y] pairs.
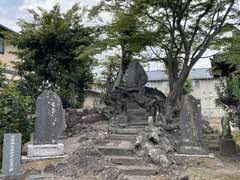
{"points": [[4, 28], [161, 75]]}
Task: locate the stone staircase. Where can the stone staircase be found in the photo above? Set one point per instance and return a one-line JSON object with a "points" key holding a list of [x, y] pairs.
{"points": [[120, 152], [119, 149]]}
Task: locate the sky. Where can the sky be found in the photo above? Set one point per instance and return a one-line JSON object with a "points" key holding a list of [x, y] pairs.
{"points": [[13, 10]]}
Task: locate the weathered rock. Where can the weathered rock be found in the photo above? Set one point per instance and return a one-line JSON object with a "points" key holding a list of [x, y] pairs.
{"points": [[136, 76], [101, 137], [92, 118], [61, 166], [50, 169], [158, 157], [110, 174], [184, 177], [153, 135], [69, 171]]}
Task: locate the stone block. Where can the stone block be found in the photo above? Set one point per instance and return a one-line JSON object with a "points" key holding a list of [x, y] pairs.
{"points": [[227, 147], [46, 150], [120, 121]]}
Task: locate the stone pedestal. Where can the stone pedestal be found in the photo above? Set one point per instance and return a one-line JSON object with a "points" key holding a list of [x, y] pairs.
{"points": [[227, 147], [46, 150]]}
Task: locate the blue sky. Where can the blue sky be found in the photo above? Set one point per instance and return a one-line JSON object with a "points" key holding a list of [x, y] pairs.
{"points": [[12, 10]]}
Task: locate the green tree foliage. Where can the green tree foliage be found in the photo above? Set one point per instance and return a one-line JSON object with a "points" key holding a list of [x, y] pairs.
{"points": [[15, 110], [124, 33], [2, 76], [226, 63], [187, 89], [229, 95], [229, 52], [56, 52]]}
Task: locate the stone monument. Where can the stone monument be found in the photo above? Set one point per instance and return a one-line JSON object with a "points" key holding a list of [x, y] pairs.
{"points": [[133, 102], [49, 125], [11, 154], [190, 126]]}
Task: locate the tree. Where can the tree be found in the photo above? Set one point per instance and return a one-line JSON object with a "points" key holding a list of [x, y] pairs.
{"points": [[226, 61], [56, 52], [183, 30], [124, 34], [226, 64], [229, 95]]}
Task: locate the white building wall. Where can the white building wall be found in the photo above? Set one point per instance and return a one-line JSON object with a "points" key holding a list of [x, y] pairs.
{"points": [[206, 92]]}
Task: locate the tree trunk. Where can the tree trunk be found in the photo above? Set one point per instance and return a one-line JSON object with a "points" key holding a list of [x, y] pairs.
{"points": [[125, 59], [172, 69], [119, 77], [172, 103]]}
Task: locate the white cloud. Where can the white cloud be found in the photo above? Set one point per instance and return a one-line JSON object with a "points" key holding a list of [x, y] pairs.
{"points": [[48, 4]]}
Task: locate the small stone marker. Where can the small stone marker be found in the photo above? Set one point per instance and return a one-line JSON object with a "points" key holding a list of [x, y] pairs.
{"points": [[11, 154]]}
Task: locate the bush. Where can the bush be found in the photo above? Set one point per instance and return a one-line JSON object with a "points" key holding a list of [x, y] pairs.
{"points": [[15, 110], [14, 114]]}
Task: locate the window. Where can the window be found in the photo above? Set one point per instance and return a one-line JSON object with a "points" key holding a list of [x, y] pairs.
{"points": [[1, 45], [196, 84]]}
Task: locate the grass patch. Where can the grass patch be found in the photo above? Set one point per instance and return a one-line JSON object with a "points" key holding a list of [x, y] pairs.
{"points": [[236, 136]]}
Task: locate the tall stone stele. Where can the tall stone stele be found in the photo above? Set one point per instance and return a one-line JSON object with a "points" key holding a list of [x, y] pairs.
{"points": [[49, 125], [191, 139]]}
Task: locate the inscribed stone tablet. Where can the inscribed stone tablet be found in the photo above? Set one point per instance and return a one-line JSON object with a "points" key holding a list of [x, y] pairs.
{"points": [[11, 154]]}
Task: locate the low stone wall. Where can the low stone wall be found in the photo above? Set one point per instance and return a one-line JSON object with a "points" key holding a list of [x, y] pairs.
{"points": [[77, 118]]}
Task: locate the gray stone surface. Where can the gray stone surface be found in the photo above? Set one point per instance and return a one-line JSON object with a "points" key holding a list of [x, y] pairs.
{"points": [[136, 76], [227, 147], [190, 126], [45, 150], [50, 120], [121, 120], [11, 154], [158, 157]]}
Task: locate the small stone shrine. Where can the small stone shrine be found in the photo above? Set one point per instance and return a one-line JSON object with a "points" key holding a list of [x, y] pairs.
{"points": [[49, 125], [11, 154]]}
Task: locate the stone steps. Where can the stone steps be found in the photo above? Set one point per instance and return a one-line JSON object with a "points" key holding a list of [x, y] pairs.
{"points": [[138, 170], [115, 151], [131, 131], [124, 137], [137, 124], [126, 160]]}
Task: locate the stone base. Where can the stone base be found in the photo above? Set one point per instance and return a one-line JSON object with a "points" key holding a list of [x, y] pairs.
{"points": [[46, 150], [227, 147], [191, 149]]}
